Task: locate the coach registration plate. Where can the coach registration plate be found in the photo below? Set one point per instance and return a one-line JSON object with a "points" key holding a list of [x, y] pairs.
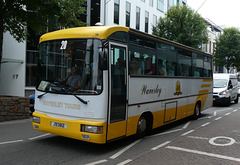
{"points": [[59, 125]]}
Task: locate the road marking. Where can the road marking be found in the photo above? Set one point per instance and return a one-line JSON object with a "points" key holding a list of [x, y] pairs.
{"points": [[124, 149], [231, 141], [160, 145], [9, 142], [227, 114], [125, 162], [204, 153], [205, 124], [218, 118], [39, 136], [186, 125], [235, 110], [187, 132], [176, 130], [97, 162], [195, 137], [215, 113]]}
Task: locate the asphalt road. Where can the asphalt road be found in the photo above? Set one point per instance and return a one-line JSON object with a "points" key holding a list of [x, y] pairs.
{"points": [[212, 139]]}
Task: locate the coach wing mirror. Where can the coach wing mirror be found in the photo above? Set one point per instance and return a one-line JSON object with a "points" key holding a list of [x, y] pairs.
{"points": [[103, 64]]}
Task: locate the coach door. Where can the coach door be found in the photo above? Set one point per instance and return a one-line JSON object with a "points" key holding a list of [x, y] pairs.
{"points": [[118, 85]]}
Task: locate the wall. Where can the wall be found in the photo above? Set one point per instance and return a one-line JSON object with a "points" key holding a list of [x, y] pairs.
{"points": [[13, 108], [12, 73]]}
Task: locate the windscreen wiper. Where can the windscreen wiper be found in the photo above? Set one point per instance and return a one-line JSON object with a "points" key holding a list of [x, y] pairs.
{"points": [[83, 101], [39, 96]]}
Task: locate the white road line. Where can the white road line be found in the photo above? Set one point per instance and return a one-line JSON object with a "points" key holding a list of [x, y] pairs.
{"points": [[205, 124], [215, 113], [176, 130], [39, 136], [218, 118], [204, 153], [186, 125], [195, 137], [125, 162], [188, 132], [235, 110], [227, 114], [97, 162], [124, 149], [9, 142], [160, 145]]}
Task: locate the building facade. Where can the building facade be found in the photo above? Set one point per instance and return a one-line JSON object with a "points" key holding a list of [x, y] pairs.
{"points": [[18, 68]]}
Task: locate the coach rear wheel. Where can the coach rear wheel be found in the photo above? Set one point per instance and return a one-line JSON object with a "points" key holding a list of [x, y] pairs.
{"points": [[197, 111]]}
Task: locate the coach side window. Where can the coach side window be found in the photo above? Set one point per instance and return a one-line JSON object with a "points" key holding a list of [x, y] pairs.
{"points": [[197, 65], [207, 67], [167, 56], [184, 62]]}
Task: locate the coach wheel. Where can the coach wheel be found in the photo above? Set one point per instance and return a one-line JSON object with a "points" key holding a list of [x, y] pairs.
{"points": [[197, 111], [141, 127]]}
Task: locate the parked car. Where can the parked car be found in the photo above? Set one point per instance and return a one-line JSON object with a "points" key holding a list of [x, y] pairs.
{"points": [[225, 88], [238, 89], [32, 99]]}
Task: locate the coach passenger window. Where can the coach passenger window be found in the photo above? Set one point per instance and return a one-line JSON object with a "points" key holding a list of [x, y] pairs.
{"points": [[207, 67], [184, 62], [149, 60], [197, 65], [120, 36], [168, 56], [144, 58]]}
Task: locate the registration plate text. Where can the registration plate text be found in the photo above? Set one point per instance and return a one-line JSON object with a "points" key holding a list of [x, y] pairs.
{"points": [[59, 125]]}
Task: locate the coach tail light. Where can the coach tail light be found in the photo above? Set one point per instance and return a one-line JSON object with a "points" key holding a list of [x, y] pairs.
{"points": [[92, 129]]}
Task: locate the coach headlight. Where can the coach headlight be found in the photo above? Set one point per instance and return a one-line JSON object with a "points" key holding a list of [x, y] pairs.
{"points": [[92, 129], [36, 119], [223, 93]]}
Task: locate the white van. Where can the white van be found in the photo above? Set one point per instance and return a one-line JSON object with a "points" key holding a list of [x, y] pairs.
{"points": [[225, 88]]}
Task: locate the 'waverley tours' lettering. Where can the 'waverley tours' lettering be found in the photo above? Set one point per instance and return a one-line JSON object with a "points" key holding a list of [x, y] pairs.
{"points": [[147, 91], [61, 105]]}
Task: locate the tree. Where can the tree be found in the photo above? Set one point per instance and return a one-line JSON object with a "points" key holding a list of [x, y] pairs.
{"points": [[183, 25], [227, 50], [40, 15]]}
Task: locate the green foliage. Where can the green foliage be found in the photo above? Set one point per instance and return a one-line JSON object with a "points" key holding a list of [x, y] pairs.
{"points": [[183, 25], [40, 15], [227, 51]]}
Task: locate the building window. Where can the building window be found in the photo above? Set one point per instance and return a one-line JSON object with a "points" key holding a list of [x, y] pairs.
{"points": [[154, 20], [160, 5], [95, 12], [172, 3], [137, 18], [116, 11], [146, 21], [151, 3], [31, 58], [128, 11]]}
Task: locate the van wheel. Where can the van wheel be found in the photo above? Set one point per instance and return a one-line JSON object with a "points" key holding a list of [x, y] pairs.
{"points": [[236, 101], [197, 111], [228, 102]]}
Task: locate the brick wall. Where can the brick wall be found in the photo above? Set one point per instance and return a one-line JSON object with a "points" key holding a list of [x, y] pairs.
{"points": [[13, 108]]}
